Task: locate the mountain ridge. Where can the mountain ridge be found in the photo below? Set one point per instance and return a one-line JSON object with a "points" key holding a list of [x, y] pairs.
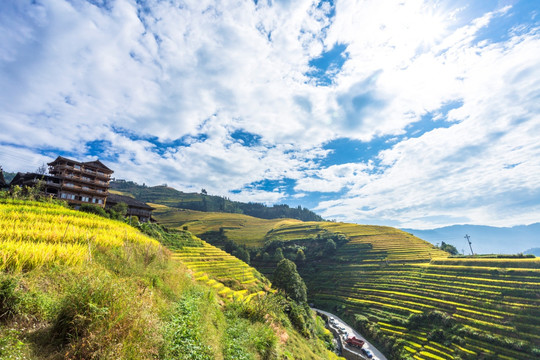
{"points": [[162, 194]]}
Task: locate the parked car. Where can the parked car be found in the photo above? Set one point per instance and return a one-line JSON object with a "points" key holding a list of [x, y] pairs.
{"points": [[368, 353]]}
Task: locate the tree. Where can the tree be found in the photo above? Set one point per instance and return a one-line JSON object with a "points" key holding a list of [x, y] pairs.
{"points": [[242, 254], [278, 254], [118, 211], [448, 248], [300, 256], [329, 247], [42, 170], [287, 279], [204, 192]]}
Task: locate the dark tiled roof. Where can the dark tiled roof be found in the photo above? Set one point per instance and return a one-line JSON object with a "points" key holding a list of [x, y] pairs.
{"points": [[95, 163], [131, 202], [98, 164], [32, 176]]}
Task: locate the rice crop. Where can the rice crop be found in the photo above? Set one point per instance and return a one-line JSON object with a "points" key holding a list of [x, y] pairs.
{"points": [[34, 234]]}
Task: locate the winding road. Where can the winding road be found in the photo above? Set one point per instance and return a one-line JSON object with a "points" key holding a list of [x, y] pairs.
{"points": [[377, 355]]}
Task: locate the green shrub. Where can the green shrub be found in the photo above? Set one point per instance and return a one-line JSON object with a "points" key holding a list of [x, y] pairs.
{"points": [[11, 347], [9, 298], [94, 209]]}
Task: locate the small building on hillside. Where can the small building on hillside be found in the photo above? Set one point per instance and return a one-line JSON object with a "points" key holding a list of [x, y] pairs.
{"points": [[50, 185], [135, 207]]}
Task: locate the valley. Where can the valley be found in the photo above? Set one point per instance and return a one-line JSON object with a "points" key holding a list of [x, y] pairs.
{"points": [[412, 299]]}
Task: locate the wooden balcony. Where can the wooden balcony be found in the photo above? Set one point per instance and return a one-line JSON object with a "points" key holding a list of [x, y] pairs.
{"points": [[86, 190], [82, 179], [60, 169]]}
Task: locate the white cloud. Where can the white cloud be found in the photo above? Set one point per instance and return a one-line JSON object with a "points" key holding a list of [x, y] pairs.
{"points": [[482, 170], [165, 70]]}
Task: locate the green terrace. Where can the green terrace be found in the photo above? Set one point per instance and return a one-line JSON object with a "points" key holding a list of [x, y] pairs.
{"points": [[386, 275], [387, 282]]}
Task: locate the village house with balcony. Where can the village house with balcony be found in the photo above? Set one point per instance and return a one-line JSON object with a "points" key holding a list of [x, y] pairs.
{"points": [[76, 182]]}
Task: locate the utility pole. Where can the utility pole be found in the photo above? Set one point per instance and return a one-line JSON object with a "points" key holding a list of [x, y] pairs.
{"points": [[470, 243]]}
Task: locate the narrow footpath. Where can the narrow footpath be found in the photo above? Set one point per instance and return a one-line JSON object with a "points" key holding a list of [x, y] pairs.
{"points": [[377, 355]]}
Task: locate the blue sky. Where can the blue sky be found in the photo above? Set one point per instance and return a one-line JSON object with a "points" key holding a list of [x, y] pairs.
{"points": [[413, 113]]}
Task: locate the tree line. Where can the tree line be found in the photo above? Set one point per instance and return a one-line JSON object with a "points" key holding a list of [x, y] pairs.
{"points": [[212, 203]]}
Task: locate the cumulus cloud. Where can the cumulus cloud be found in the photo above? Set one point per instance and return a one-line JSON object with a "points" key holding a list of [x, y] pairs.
{"points": [[157, 88], [475, 171]]}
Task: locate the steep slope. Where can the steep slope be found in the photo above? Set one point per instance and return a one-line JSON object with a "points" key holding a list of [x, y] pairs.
{"points": [[412, 298], [78, 286]]}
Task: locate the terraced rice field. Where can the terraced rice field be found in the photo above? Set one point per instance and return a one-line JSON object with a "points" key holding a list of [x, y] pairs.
{"points": [[231, 277], [243, 229], [387, 275], [34, 234]]}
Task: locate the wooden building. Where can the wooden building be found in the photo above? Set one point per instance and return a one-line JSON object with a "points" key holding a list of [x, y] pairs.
{"points": [[135, 207], [81, 182], [50, 185], [76, 182]]}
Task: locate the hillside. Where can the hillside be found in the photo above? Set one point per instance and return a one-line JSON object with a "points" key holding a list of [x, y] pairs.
{"points": [[78, 286], [202, 202], [485, 239], [243, 229], [410, 297]]}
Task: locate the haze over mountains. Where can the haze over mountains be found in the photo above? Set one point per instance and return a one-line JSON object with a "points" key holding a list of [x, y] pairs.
{"points": [[485, 239]]}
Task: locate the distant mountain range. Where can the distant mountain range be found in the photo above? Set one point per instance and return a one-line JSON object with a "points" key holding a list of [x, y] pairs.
{"points": [[486, 239], [533, 251]]}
